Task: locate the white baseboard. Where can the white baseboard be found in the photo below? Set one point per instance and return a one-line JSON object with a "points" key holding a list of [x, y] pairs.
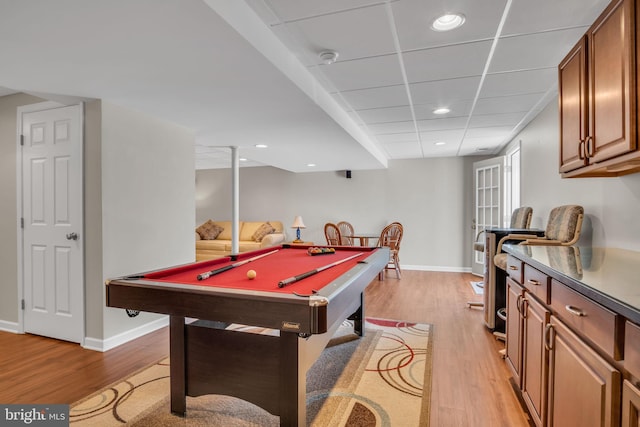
{"points": [[113, 342], [436, 268], [9, 327]]}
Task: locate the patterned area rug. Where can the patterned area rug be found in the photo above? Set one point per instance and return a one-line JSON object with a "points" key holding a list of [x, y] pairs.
{"points": [[382, 379]]}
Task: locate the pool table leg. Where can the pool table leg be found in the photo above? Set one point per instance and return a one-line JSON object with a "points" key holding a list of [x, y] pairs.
{"points": [[358, 318], [177, 368], [293, 383]]}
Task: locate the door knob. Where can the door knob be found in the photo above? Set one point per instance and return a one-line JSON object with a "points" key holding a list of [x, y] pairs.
{"points": [[72, 236]]}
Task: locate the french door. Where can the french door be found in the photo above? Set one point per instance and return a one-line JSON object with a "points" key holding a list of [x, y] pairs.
{"points": [[488, 203]]}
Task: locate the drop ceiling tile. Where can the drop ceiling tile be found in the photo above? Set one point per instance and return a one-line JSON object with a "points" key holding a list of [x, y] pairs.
{"points": [[382, 115], [439, 150], [507, 104], [442, 124], [457, 109], [289, 10], [463, 60], [542, 15], [365, 73], [498, 132], [398, 137], [414, 18], [379, 97], [450, 137], [532, 51], [371, 37], [519, 82], [481, 145], [391, 128], [444, 91], [491, 120]]}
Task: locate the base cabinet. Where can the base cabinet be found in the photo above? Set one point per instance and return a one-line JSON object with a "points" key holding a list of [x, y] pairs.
{"points": [[584, 389], [630, 405], [526, 355], [513, 355], [535, 358]]}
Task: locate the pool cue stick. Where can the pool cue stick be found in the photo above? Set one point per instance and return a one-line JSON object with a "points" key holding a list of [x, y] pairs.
{"points": [[229, 267], [293, 279]]}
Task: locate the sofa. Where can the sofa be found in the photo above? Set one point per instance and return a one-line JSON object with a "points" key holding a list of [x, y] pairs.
{"points": [[213, 238]]}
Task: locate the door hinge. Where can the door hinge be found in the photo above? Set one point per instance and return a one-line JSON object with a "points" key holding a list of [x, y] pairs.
{"points": [[21, 139], [22, 304], [21, 222]]}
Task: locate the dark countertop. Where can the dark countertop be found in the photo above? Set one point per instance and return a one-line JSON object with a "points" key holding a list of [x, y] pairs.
{"points": [[609, 276]]}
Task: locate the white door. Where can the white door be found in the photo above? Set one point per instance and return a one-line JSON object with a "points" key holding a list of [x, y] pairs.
{"points": [[488, 183], [52, 249]]}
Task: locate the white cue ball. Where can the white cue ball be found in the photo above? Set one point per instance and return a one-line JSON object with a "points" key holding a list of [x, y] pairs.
{"points": [[251, 274]]}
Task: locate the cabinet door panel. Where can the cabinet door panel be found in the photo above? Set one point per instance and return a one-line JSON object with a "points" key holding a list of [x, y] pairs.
{"points": [[630, 405], [611, 93], [514, 331], [535, 359], [572, 88], [584, 390]]}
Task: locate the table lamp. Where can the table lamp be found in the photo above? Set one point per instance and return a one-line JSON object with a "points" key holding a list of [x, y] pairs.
{"points": [[298, 224]]}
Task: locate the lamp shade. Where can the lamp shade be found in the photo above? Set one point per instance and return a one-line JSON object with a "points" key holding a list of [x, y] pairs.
{"points": [[297, 222]]}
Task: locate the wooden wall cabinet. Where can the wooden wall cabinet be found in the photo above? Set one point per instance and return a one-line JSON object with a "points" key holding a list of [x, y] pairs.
{"points": [[597, 98]]}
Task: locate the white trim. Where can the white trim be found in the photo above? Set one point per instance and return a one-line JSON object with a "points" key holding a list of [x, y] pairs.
{"points": [[124, 337], [9, 327], [436, 268]]}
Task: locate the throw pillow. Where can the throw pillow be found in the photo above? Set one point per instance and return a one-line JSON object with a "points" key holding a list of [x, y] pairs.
{"points": [[209, 230], [262, 231]]}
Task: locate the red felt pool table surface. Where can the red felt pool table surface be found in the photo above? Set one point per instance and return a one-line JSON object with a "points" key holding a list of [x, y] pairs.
{"points": [[284, 262]]}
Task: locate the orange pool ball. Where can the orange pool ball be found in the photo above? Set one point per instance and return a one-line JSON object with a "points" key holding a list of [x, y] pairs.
{"points": [[251, 274]]}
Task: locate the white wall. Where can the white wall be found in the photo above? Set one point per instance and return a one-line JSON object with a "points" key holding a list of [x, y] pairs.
{"points": [[429, 197], [148, 189], [611, 204]]}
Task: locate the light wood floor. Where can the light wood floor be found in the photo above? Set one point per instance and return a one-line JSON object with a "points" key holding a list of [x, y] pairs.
{"points": [[470, 384]]}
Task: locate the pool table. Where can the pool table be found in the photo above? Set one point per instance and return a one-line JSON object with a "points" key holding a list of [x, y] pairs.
{"points": [[268, 370]]}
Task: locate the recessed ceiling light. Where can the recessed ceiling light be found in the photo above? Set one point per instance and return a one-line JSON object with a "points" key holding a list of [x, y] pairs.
{"points": [[448, 22], [261, 145], [441, 110], [439, 143], [311, 165], [242, 159]]}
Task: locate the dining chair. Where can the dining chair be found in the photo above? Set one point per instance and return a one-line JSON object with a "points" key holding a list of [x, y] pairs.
{"points": [[332, 234], [346, 230], [390, 237]]}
